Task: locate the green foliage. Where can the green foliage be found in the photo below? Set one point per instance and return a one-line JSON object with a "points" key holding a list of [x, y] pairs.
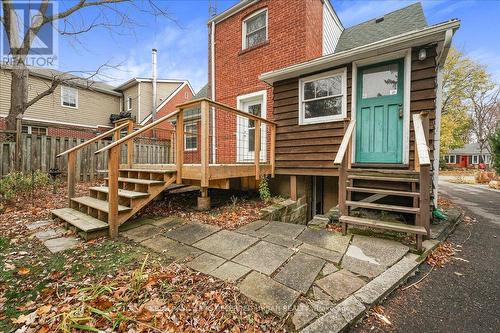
{"points": [[495, 149], [264, 192], [16, 183]]}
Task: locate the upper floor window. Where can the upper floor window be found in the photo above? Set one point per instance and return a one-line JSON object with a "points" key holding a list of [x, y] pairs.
{"points": [[255, 29], [323, 97], [129, 103], [69, 97]]}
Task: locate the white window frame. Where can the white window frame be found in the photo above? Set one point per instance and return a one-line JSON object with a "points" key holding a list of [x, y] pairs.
{"points": [[454, 158], [240, 100], [342, 72], [191, 123], [244, 28], [129, 103], [475, 159], [76, 97]]}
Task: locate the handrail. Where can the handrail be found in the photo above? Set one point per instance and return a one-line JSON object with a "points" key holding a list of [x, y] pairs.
{"points": [[225, 108], [421, 149], [139, 131], [345, 143], [99, 137]]}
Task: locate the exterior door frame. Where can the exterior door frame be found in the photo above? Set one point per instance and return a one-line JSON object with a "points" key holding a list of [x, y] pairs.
{"points": [[406, 54], [240, 100]]}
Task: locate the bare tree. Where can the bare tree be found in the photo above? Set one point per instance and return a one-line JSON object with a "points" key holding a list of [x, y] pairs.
{"points": [[485, 115], [112, 15]]}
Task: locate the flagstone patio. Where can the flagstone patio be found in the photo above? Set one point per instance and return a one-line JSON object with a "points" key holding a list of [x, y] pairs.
{"points": [[278, 264]]}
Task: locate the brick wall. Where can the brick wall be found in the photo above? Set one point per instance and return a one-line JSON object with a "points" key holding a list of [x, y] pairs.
{"points": [[294, 36]]}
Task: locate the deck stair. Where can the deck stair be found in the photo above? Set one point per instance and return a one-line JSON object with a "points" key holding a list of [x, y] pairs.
{"points": [[88, 215]]}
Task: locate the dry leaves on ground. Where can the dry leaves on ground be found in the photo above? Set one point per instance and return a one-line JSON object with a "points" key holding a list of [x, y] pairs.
{"points": [[441, 255]]}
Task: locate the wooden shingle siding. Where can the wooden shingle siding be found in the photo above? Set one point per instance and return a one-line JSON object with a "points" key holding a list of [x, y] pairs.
{"points": [[304, 149]]}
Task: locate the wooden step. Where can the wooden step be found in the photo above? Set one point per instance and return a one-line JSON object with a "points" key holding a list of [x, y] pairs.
{"points": [[384, 179], [122, 193], [384, 171], [101, 205], [400, 227], [150, 171], [377, 206], [80, 220], [139, 181], [381, 191]]}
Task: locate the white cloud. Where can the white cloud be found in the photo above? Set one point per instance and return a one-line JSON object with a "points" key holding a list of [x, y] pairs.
{"points": [[182, 54], [488, 58]]}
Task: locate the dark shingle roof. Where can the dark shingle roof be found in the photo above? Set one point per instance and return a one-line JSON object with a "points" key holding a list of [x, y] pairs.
{"points": [[469, 148], [395, 23], [195, 111]]}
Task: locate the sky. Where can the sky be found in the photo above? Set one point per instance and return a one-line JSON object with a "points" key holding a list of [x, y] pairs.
{"points": [[181, 39]]}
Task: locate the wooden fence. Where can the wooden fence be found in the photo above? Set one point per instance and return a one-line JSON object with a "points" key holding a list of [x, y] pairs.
{"points": [[39, 153]]}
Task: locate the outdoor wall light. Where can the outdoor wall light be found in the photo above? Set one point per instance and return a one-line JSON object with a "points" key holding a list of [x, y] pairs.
{"points": [[422, 54]]}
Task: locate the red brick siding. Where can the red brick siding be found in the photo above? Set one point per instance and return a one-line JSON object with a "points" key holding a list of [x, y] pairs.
{"points": [[294, 35]]}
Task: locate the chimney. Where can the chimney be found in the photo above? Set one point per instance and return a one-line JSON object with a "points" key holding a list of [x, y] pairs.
{"points": [[153, 62]]}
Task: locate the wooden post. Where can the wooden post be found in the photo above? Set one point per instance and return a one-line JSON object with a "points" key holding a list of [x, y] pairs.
{"points": [[113, 165], [425, 197], [293, 188], [343, 182], [71, 176], [179, 150], [171, 148], [205, 144], [130, 144], [257, 149], [273, 150]]}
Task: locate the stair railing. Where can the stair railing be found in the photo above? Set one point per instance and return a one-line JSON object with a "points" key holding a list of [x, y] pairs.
{"points": [[72, 152], [422, 165], [343, 160], [205, 104]]}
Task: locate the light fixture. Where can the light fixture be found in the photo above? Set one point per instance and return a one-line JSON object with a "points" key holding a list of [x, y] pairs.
{"points": [[422, 54]]}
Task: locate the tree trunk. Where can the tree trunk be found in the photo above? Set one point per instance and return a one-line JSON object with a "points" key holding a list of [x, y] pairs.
{"points": [[18, 94]]}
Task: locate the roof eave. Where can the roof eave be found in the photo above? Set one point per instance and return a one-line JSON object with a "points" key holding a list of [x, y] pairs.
{"points": [[331, 60], [231, 11]]}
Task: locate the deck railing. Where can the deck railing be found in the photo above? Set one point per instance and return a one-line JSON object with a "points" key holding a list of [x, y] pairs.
{"points": [[423, 165]]}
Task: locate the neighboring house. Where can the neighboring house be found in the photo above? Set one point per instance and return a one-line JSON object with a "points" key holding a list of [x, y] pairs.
{"points": [[294, 62], [80, 108], [469, 156]]}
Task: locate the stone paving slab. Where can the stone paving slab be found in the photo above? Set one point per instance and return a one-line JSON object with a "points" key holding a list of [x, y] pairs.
{"points": [[351, 308], [230, 271], [168, 223], [38, 224], [331, 322], [268, 293], [320, 252], [264, 257], [172, 249], [141, 233], [135, 224], [340, 284], [60, 244], [206, 263], [282, 229], [300, 272], [252, 226], [49, 234], [370, 256], [302, 316], [329, 269], [283, 241], [190, 233], [325, 239], [226, 244]]}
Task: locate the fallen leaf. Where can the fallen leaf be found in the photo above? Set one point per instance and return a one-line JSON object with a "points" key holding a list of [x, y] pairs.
{"points": [[23, 271], [43, 309]]}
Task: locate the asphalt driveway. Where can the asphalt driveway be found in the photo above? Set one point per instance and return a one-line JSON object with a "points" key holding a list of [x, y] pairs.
{"points": [[464, 296]]}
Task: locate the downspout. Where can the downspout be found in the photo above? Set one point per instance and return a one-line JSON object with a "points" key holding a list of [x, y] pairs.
{"points": [[212, 86], [439, 104], [153, 63]]}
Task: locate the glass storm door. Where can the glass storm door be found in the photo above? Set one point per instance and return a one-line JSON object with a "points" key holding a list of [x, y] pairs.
{"points": [[379, 113], [246, 132]]}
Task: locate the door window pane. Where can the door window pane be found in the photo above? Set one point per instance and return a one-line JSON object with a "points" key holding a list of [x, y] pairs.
{"points": [[254, 109], [380, 81]]}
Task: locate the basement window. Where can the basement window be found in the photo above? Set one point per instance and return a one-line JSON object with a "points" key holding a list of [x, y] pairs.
{"points": [[323, 97], [34, 130], [255, 29], [69, 97]]}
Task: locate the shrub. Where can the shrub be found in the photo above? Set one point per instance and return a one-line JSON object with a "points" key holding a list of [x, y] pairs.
{"points": [[16, 183], [495, 149], [264, 192]]}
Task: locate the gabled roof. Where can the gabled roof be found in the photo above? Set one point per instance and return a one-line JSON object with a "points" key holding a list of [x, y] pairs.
{"points": [[398, 22], [69, 79], [469, 148], [136, 80]]}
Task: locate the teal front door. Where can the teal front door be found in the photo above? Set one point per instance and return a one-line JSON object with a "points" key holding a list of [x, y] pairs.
{"points": [[379, 113]]}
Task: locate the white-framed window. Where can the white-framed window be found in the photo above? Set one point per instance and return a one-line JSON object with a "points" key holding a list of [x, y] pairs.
{"points": [[323, 97], [255, 29], [450, 159], [34, 130], [190, 136], [475, 159], [129, 103], [69, 97], [487, 159]]}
